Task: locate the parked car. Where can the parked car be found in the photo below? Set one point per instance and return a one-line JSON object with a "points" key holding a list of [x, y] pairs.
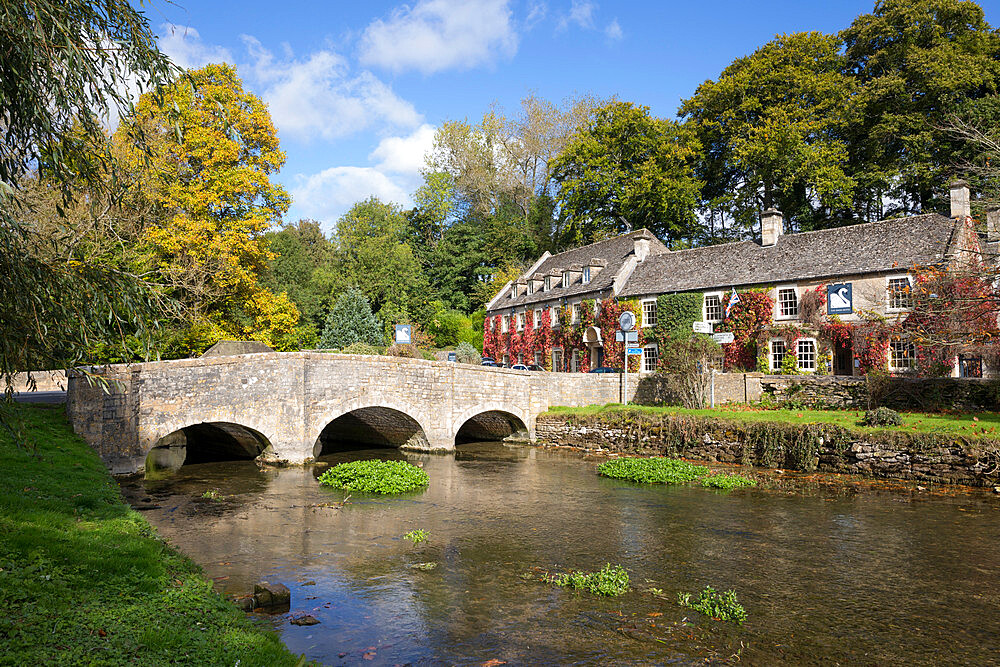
{"points": [[605, 369], [488, 361], [519, 367], [535, 367]]}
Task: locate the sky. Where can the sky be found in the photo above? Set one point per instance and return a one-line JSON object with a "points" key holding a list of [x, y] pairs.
{"points": [[356, 89]]}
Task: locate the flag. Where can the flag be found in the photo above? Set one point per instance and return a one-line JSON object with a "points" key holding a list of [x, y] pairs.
{"points": [[733, 300]]}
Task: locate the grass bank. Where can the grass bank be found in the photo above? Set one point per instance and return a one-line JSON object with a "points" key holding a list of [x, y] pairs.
{"points": [[84, 579], [977, 425]]}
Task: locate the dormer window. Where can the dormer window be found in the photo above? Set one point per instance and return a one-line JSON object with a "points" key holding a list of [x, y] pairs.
{"points": [[548, 283], [586, 275], [531, 286], [565, 279]]}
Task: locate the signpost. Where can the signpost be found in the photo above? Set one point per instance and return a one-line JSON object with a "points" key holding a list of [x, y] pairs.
{"points": [[452, 356], [627, 336], [723, 337], [635, 350], [403, 334], [627, 322], [702, 327]]}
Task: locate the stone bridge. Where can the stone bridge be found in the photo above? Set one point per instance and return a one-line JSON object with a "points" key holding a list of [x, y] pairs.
{"points": [[295, 406]]}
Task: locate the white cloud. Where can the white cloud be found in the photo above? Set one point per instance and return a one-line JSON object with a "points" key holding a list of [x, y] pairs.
{"points": [[581, 12], [404, 155], [320, 96], [436, 35], [536, 15], [183, 45], [613, 31]]}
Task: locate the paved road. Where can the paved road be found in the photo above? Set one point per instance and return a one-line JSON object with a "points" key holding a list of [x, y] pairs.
{"points": [[48, 397]]}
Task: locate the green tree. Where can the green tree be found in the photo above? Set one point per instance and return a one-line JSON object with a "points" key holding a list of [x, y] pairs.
{"points": [[626, 169], [60, 66], [351, 321], [772, 129], [916, 62]]}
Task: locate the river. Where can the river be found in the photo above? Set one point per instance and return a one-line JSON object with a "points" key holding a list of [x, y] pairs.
{"points": [[829, 574]]}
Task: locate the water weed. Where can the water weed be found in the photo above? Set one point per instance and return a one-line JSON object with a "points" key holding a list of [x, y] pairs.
{"points": [[727, 481], [720, 606], [654, 470], [416, 536], [374, 476], [608, 581]]}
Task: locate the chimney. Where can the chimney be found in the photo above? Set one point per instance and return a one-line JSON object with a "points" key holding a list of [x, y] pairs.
{"points": [[771, 227], [993, 224], [960, 200], [641, 247]]}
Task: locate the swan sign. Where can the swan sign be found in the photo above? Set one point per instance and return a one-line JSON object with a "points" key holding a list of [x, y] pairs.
{"points": [[839, 299]]}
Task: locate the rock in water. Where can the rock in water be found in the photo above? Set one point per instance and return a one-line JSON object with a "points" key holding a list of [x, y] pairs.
{"points": [[271, 596], [305, 620]]}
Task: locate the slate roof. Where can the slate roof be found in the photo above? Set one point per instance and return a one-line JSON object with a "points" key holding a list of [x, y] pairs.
{"points": [[614, 251], [874, 247]]}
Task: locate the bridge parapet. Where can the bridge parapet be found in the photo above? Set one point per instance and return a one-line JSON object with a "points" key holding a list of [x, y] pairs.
{"points": [[291, 397]]}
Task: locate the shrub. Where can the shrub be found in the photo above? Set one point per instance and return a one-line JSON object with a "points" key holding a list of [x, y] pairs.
{"points": [[374, 476], [361, 348], [466, 354], [882, 417], [689, 358], [404, 350], [720, 606], [655, 470], [351, 320], [727, 481], [608, 581]]}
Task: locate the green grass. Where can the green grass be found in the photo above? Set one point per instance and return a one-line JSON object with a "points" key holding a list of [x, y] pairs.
{"points": [[654, 470], [374, 476], [980, 424], [608, 581], [720, 606], [85, 580], [727, 481]]}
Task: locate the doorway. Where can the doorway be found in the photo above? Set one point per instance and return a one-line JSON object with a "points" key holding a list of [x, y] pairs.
{"points": [[843, 359]]}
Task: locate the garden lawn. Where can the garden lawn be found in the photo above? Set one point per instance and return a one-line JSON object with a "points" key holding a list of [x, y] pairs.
{"points": [[981, 424], [84, 579]]}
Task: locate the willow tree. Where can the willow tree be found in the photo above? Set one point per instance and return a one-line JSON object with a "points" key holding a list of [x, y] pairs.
{"points": [[62, 68]]}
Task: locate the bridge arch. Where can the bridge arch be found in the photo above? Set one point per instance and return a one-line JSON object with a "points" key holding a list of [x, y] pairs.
{"points": [[491, 422], [207, 441], [375, 423]]}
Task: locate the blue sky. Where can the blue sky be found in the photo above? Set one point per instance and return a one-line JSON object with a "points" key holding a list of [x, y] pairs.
{"points": [[357, 88]]}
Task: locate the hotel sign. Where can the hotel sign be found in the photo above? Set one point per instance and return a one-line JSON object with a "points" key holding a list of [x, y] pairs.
{"points": [[839, 299]]}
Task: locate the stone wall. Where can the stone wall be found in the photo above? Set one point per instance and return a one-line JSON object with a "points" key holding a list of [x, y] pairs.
{"points": [[44, 381], [923, 457]]}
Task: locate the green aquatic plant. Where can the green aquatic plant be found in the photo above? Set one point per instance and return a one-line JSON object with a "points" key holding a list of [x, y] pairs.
{"points": [[654, 470], [212, 494], [416, 536], [375, 476], [608, 581], [720, 606], [727, 481]]}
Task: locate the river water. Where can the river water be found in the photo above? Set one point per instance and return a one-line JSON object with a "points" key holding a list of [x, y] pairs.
{"points": [[841, 574]]}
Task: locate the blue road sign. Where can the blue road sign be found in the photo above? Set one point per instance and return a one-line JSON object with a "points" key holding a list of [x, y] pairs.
{"points": [[635, 350]]}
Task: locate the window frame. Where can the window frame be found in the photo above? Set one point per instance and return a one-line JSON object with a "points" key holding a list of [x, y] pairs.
{"points": [[642, 304], [565, 279], [912, 355], [547, 284], [504, 323], [704, 307], [556, 368], [798, 354], [586, 275], [776, 368], [889, 308], [520, 321], [576, 312], [574, 361], [779, 315], [538, 318], [645, 357], [554, 317]]}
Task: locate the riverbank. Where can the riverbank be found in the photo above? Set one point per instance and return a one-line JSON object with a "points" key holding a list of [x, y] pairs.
{"points": [[84, 579], [927, 447]]}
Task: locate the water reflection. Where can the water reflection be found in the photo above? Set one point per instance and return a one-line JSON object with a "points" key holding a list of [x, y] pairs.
{"points": [[868, 578]]}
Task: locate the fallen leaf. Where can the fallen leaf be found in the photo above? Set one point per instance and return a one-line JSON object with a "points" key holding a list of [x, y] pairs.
{"points": [[493, 662]]}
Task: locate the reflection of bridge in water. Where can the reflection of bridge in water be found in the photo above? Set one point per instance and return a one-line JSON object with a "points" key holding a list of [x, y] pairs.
{"points": [[295, 406]]}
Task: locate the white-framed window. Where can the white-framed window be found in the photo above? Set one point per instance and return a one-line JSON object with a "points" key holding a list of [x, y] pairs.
{"points": [[650, 357], [565, 279], [649, 313], [713, 311], [538, 358], [586, 275], [777, 355], [902, 356], [505, 323], [548, 283], [557, 360], [531, 287], [553, 317], [574, 362], [520, 321], [575, 313], [898, 293], [538, 318], [805, 354], [788, 303]]}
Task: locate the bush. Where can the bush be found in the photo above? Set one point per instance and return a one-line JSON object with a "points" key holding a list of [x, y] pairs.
{"points": [[882, 417], [656, 470], [373, 476], [720, 606], [351, 320], [361, 348], [403, 350], [466, 354], [727, 481], [608, 581], [689, 358]]}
